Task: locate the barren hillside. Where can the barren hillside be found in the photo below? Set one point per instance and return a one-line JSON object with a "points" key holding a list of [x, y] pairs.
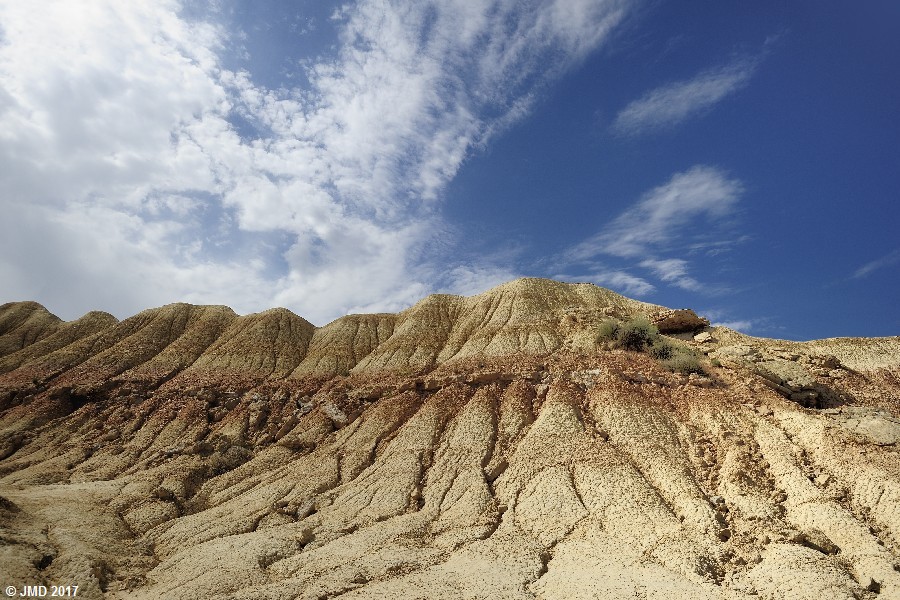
{"points": [[481, 447]]}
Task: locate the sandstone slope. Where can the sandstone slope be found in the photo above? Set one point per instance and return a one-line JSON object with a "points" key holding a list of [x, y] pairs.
{"points": [[482, 447]]}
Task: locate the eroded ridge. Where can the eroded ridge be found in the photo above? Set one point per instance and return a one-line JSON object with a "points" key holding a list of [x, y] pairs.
{"points": [[189, 452]]}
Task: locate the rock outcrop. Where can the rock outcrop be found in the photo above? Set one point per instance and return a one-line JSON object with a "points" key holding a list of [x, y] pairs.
{"points": [[482, 447], [678, 321]]}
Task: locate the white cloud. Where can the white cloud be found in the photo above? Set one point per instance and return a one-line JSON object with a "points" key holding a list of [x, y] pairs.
{"points": [[662, 215], [887, 260], [468, 280], [625, 282], [619, 281], [124, 176], [668, 218], [91, 105], [675, 102], [673, 270], [724, 317], [744, 326]]}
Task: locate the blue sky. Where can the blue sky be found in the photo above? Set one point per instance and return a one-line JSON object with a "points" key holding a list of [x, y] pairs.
{"points": [[742, 159]]}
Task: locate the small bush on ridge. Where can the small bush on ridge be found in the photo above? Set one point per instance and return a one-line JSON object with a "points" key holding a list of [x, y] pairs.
{"points": [[662, 349], [639, 334], [607, 331]]}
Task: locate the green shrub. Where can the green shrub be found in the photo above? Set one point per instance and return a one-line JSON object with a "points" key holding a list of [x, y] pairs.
{"points": [[676, 357], [662, 349], [607, 331], [636, 334], [639, 335], [684, 361]]}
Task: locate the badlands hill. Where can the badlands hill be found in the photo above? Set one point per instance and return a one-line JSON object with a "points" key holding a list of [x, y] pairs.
{"points": [[483, 447]]}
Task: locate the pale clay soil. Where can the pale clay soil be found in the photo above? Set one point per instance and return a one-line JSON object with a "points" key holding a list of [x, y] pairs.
{"points": [[482, 447]]}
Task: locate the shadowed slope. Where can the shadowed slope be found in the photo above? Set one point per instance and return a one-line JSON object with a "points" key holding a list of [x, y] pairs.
{"points": [[24, 323], [144, 338], [419, 336], [67, 333]]}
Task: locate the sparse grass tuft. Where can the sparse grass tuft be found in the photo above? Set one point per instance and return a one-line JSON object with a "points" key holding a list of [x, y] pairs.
{"points": [[685, 361]]}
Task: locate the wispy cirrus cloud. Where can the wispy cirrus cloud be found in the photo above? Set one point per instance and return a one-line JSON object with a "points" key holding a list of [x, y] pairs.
{"points": [[725, 317], [661, 223], [661, 216], [623, 281], [678, 101], [618, 280], [672, 270], [744, 326], [127, 168], [887, 260]]}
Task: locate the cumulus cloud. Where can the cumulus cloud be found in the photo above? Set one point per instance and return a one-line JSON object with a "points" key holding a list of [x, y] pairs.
{"points": [[675, 102], [128, 184]]}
